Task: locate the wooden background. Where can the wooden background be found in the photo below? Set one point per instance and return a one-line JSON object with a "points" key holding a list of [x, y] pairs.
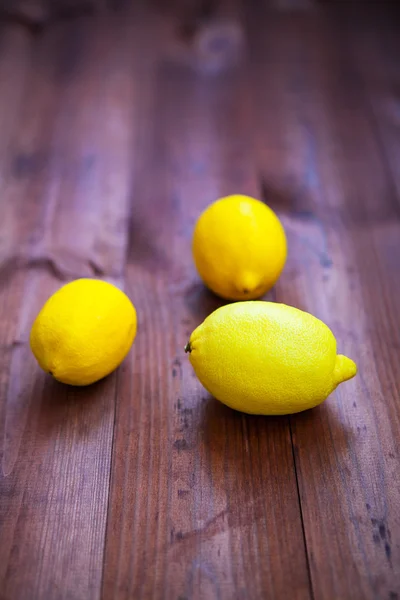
{"points": [[116, 129]]}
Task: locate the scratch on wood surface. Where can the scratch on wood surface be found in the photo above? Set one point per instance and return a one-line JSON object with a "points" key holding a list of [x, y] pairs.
{"points": [[237, 515], [216, 525]]}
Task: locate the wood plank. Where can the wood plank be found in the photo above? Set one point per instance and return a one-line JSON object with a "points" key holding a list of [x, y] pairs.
{"points": [[15, 60], [375, 50], [74, 91], [56, 441], [322, 163], [203, 500], [55, 467], [94, 165], [25, 160], [37, 14]]}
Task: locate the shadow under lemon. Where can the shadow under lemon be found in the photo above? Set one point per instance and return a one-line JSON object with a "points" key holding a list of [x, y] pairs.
{"points": [[232, 434], [245, 473]]}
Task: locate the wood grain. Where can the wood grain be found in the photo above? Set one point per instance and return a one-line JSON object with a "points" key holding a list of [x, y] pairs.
{"points": [[203, 500], [374, 50], [73, 177], [81, 171], [35, 15], [115, 134], [344, 231], [15, 50]]}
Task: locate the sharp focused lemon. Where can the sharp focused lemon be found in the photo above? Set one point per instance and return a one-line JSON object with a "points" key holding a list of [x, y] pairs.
{"points": [[266, 358], [84, 331], [239, 248]]}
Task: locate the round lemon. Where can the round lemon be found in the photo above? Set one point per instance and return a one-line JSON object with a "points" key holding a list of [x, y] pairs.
{"points": [[266, 358], [84, 331], [239, 248]]}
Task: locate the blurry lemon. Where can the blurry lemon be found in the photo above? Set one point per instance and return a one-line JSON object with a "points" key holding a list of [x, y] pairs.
{"points": [[84, 331], [239, 247], [266, 358]]}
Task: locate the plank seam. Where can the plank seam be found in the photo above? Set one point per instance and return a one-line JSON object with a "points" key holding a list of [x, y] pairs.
{"points": [[301, 513], [103, 568]]}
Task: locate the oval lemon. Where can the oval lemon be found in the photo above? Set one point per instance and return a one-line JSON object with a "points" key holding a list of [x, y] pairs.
{"points": [[84, 331], [239, 247], [266, 358]]}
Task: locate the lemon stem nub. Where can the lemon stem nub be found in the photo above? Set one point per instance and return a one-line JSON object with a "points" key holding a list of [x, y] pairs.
{"points": [[344, 370], [188, 348]]}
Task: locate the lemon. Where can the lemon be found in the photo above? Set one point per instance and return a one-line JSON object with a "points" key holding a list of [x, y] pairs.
{"points": [[239, 247], [266, 358], [84, 331]]}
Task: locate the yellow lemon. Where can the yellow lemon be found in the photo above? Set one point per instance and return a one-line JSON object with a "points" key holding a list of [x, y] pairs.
{"points": [[84, 331], [266, 358], [239, 247]]}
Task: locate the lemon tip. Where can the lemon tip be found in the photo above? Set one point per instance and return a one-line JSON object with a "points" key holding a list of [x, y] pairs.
{"points": [[345, 369]]}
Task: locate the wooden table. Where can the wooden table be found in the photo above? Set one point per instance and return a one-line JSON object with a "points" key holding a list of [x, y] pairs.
{"points": [[115, 134]]}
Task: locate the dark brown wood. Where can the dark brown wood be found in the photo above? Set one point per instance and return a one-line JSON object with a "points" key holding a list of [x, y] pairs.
{"points": [[116, 131], [31, 14], [324, 168], [34, 15], [374, 49], [15, 62], [55, 462], [205, 496], [65, 210]]}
